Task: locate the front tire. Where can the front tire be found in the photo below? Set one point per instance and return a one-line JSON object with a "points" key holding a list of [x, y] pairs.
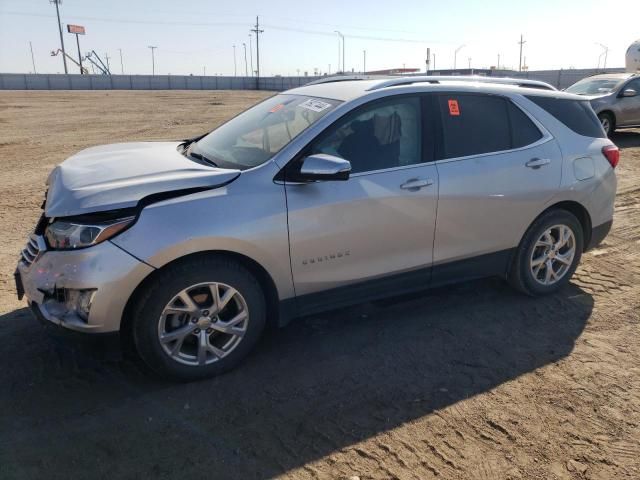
{"points": [[548, 254], [199, 318]]}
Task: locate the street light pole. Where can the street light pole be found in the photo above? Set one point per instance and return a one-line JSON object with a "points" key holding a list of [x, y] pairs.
{"points": [[121, 64], [32, 58], [340, 37], [251, 54], [455, 56], [246, 68], [153, 60], [235, 69]]}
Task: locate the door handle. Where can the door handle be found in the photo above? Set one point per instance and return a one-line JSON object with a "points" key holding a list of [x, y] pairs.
{"points": [[416, 183], [536, 163]]}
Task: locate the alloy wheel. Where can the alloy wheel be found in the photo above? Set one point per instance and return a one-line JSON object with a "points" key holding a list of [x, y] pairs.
{"points": [[553, 254], [203, 323]]}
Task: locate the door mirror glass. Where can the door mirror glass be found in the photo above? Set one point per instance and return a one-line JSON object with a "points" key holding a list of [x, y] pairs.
{"points": [[629, 92], [323, 167]]}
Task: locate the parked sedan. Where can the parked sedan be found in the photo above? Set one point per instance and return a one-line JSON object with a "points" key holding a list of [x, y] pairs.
{"points": [[614, 97]]}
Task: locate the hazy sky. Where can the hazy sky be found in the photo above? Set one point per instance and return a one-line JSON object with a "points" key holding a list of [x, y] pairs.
{"points": [[194, 34]]}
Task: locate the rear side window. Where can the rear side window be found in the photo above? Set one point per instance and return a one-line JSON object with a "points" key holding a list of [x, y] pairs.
{"points": [[473, 124], [575, 114], [523, 130]]}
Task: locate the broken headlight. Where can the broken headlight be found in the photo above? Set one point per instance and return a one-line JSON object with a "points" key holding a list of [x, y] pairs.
{"points": [[68, 235]]}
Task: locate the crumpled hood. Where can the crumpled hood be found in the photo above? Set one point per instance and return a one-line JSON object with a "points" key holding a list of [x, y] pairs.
{"points": [[117, 176]]}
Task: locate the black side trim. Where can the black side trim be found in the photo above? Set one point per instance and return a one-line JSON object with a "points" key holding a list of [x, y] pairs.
{"points": [[493, 264], [489, 265], [598, 234]]}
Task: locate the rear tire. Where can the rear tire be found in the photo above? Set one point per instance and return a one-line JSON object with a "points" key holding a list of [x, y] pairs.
{"points": [[198, 318], [608, 123], [548, 254]]}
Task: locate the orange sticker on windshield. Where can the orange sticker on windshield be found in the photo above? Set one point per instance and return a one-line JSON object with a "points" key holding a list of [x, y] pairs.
{"points": [[278, 107], [454, 110]]}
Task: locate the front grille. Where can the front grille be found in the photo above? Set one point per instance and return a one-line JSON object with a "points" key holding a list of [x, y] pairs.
{"points": [[34, 248]]}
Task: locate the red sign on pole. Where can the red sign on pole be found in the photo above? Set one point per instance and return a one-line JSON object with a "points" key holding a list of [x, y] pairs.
{"points": [[77, 29]]}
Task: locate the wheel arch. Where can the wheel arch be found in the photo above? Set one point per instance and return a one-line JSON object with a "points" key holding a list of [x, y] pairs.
{"points": [[264, 278], [610, 112], [578, 210]]}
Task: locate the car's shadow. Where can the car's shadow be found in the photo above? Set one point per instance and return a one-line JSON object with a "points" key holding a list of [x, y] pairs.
{"points": [[626, 138], [319, 385]]}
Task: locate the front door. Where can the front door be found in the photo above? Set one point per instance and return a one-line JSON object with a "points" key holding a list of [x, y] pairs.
{"points": [[630, 106], [373, 232]]}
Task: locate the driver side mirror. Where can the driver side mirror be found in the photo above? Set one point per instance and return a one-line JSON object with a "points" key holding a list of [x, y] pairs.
{"points": [[323, 167], [629, 92]]}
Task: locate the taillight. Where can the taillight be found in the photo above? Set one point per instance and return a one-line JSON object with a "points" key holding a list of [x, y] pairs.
{"points": [[612, 153]]}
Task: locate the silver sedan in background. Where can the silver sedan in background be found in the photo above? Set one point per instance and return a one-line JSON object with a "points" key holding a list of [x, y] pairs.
{"points": [[614, 97]]}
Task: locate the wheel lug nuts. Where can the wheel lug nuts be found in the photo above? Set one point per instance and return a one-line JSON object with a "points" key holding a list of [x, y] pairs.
{"points": [[197, 330], [205, 313], [209, 330], [194, 320]]}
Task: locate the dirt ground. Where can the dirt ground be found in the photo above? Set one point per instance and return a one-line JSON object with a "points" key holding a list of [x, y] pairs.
{"points": [[467, 382]]}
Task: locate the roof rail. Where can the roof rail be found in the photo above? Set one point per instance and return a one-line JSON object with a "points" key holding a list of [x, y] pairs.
{"points": [[436, 79], [345, 78]]}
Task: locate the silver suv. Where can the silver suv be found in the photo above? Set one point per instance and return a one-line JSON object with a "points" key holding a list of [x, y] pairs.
{"points": [[615, 97], [323, 196]]}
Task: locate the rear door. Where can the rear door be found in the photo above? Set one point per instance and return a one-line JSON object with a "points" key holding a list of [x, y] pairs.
{"points": [[376, 229], [497, 169], [630, 106]]}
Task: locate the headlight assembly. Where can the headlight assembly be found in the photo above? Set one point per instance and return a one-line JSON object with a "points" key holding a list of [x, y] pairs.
{"points": [[68, 235]]}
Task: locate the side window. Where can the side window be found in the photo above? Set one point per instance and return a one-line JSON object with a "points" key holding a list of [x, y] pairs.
{"points": [[634, 84], [473, 124], [575, 114], [383, 135], [523, 131]]}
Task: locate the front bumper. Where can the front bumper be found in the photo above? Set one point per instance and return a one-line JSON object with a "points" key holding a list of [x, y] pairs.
{"points": [[105, 268]]}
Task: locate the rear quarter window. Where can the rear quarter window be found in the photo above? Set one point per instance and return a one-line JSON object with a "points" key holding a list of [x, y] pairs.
{"points": [[577, 115]]}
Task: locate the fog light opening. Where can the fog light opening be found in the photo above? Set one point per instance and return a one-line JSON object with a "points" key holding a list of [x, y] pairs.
{"points": [[79, 301]]}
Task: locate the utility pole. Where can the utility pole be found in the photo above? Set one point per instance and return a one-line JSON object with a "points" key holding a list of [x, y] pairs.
{"points": [[469, 63], [341, 37], [107, 57], [64, 54], [251, 54], [434, 62], [364, 61], [121, 64], [204, 71], [32, 59], [521, 43], [455, 56], [498, 66], [257, 31], [246, 68], [153, 60]]}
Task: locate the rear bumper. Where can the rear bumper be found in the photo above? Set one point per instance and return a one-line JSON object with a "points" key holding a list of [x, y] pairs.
{"points": [[598, 234]]}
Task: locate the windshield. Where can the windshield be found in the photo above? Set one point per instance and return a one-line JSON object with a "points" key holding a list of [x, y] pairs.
{"points": [[595, 86], [256, 135]]}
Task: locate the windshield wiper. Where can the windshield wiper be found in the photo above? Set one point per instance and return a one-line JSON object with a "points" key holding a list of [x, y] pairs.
{"points": [[199, 156]]}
